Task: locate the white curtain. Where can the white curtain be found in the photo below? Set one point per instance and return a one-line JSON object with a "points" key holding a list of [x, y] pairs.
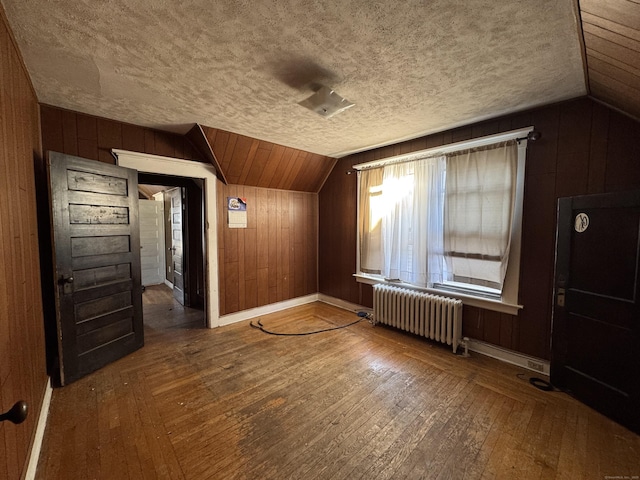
{"points": [[435, 194], [401, 218], [397, 221], [369, 221], [479, 203]]}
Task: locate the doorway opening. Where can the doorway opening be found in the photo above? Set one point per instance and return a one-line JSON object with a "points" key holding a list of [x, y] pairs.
{"points": [[172, 250], [146, 163]]}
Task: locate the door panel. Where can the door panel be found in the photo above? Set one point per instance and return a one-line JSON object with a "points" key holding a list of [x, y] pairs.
{"points": [[97, 263], [177, 257], [152, 242], [595, 336]]}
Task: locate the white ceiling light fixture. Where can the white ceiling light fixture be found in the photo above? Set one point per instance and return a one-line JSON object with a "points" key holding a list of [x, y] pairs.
{"points": [[326, 102]]}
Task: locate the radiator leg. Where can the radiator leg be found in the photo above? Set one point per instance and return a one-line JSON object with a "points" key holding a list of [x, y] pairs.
{"points": [[465, 344]]}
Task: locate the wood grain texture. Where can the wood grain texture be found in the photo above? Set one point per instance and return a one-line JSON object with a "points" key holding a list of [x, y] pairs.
{"points": [[356, 403], [611, 31], [22, 352], [585, 148], [275, 257], [252, 162], [199, 140], [93, 138]]}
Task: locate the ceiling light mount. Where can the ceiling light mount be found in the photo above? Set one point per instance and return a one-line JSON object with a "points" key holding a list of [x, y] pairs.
{"points": [[326, 102]]}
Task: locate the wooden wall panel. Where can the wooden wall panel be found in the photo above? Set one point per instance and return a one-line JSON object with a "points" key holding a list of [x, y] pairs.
{"points": [[92, 137], [22, 350], [252, 162], [585, 148], [275, 257]]}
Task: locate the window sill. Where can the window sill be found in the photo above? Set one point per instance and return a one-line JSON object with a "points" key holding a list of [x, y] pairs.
{"points": [[471, 300]]}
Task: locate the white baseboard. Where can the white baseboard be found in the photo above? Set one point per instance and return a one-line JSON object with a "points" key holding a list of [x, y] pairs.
{"points": [[337, 302], [168, 284], [34, 454], [534, 364], [509, 356], [264, 310]]}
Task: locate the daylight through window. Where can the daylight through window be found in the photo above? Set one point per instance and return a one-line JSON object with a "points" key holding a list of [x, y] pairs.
{"points": [[445, 220]]}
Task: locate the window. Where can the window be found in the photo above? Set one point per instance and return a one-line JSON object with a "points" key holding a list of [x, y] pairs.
{"points": [[446, 220]]}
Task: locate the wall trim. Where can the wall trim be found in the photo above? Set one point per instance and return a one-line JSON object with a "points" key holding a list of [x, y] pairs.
{"points": [[38, 437], [266, 309], [509, 356], [338, 302]]}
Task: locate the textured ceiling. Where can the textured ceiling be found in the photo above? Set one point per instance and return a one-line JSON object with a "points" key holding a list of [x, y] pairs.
{"points": [[411, 67]]}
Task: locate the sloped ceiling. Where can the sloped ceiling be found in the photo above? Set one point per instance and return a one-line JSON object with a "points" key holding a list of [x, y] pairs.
{"points": [[612, 45], [411, 67]]}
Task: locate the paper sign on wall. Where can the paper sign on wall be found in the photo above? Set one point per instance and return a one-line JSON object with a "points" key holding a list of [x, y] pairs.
{"points": [[237, 212]]}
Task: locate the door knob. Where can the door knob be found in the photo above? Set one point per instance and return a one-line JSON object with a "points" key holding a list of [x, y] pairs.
{"points": [[16, 414], [67, 283]]}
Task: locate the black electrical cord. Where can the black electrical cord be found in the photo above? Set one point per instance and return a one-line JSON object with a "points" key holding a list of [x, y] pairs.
{"points": [[539, 383], [261, 327]]}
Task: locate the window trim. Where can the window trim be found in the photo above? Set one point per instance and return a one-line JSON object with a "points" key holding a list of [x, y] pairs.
{"points": [[508, 301]]}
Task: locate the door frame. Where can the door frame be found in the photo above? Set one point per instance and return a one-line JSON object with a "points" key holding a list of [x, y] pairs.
{"points": [[147, 163]]}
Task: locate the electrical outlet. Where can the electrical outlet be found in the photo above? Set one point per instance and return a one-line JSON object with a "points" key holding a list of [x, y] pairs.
{"points": [[535, 366]]}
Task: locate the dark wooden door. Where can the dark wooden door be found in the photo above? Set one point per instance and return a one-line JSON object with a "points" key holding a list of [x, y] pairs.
{"points": [[94, 211], [177, 257], [596, 319]]}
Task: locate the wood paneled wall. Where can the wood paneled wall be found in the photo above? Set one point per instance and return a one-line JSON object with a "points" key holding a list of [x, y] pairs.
{"points": [[252, 162], [22, 352], [275, 257], [92, 137], [585, 148]]}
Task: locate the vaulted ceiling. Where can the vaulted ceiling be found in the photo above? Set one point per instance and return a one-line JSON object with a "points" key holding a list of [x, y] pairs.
{"points": [[612, 45], [411, 67]]}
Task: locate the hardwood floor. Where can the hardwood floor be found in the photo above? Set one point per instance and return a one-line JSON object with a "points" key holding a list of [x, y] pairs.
{"points": [[360, 402]]}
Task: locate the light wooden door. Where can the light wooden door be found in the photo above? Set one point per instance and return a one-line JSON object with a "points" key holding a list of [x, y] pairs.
{"points": [[596, 319], [152, 242], [94, 211]]}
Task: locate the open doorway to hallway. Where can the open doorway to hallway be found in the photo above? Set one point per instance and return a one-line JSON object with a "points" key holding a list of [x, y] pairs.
{"points": [[163, 312], [172, 250]]}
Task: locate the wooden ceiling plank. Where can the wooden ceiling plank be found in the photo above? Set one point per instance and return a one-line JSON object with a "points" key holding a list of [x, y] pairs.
{"points": [[612, 50], [608, 70], [615, 95], [275, 157], [200, 141], [251, 154], [285, 163], [632, 33], [329, 168], [616, 99], [591, 54], [299, 167], [219, 147], [314, 172], [234, 167], [257, 166], [327, 165], [632, 94], [624, 12], [612, 37]]}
